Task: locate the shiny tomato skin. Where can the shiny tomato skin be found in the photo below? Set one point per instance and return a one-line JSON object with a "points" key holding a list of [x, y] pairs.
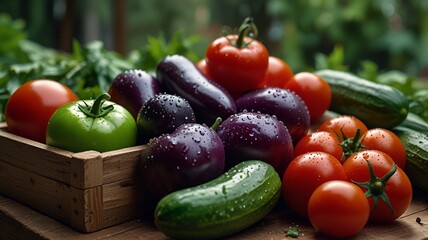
{"points": [[386, 141], [238, 70], [314, 91], [349, 125], [398, 188], [202, 66], [76, 130], [277, 74], [338, 209], [322, 141], [29, 108], [304, 174]]}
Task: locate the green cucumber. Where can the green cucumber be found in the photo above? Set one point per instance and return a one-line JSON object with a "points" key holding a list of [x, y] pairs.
{"points": [[416, 145], [415, 122], [226, 205], [377, 105]]}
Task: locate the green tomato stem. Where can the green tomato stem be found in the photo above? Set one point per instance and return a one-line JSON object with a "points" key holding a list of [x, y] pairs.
{"points": [[376, 186], [97, 109], [351, 145], [247, 27]]}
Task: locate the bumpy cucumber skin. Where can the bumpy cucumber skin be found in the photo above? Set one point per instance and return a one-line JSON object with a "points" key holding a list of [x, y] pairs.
{"points": [[416, 144], [377, 105], [224, 206]]}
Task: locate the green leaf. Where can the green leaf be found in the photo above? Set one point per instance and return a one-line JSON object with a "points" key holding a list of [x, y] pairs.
{"points": [[158, 47], [333, 61], [398, 80], [421, 97], [11, 34], [96, 68], [293, 232], [369, 70]]}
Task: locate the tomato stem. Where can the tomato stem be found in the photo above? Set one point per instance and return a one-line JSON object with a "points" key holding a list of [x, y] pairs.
{"points": [[247, 28], [376, 186], [97, 109], [351, 145]]}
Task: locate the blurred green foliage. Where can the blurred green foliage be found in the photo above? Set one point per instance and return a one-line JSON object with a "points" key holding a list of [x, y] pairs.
{"points": [[391, 33]]}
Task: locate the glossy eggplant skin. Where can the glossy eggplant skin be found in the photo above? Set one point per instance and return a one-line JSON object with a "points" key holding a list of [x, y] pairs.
{"points": [[132, 88], [285, 105], [250, 135], [162, 114], [193, 154], [178, 75]]}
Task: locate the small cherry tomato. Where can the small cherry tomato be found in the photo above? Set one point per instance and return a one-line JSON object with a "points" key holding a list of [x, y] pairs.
{"points": [[29, 108], [237, 62], [277, 74], [304, 174], [343, 123], [202, 66], [321, 141], [386, 182], [338, 209], [386, 141], [314, 91]]}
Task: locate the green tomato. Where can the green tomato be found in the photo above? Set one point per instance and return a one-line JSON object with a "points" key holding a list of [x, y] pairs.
{"points": [[98, 125]]}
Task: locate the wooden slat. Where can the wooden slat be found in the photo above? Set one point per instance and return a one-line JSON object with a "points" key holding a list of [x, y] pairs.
{"points": [[86, 170], [41, 193], [82, 170], [87, 212], [17, 221], [81, 209], [35, 157], [125, 200], [121, 164]]}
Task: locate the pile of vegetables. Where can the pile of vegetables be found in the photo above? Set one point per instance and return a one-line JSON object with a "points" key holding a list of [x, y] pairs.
{"points": [[232, 135]]}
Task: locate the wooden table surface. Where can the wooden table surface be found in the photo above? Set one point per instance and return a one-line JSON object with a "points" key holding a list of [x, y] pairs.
{"points": [[20, 222]]}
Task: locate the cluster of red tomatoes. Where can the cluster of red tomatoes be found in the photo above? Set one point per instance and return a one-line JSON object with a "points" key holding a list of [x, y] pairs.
{"points": [[240, 63], [344, 175]]}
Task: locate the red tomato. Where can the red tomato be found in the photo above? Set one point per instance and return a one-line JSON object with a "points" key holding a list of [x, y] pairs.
{"points": [[314, 91], [348, 124], [236, 62], [237, 69], [277, 74], [320, 141], [29, 108], [398, 188], [304, 174], [202, 66], [338, 209], [387, 142]]}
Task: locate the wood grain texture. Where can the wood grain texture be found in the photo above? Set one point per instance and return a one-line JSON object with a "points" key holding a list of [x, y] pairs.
{"points": [[20, 222], [88, 190], [35, 157]]}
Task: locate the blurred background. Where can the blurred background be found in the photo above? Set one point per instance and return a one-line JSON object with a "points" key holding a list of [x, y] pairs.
{"points": [[391, 33]]}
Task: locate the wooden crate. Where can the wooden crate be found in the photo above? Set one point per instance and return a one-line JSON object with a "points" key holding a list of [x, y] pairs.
{"points": [[87, 191]]}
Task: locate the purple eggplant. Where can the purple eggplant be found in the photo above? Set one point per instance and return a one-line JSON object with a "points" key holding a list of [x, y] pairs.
{"points": [[193, 154], [132, 88], [256, 136], [161, 114], [178, 75], [287, 106]]}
